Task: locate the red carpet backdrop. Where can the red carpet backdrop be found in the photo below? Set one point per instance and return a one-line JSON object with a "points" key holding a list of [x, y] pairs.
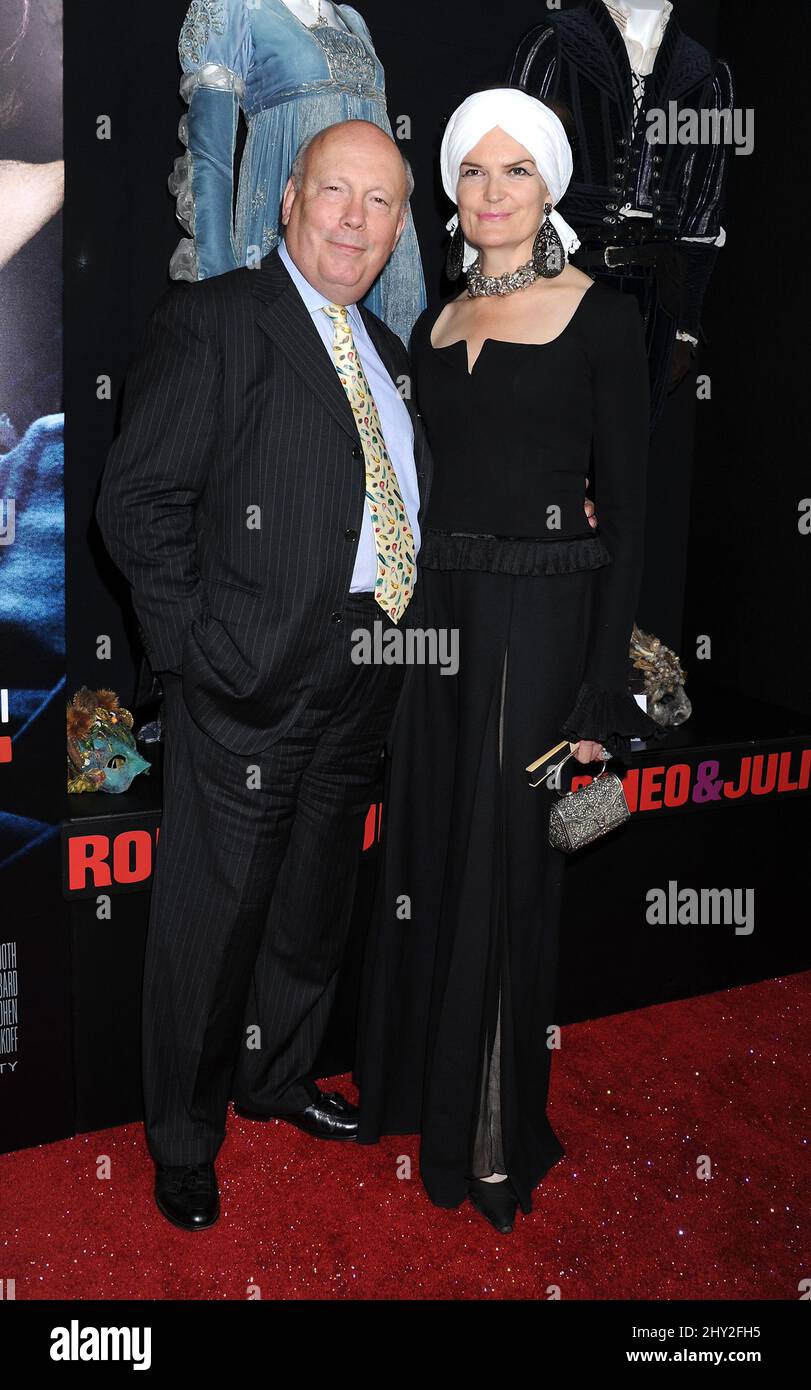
{"points": [[686, 1182]]}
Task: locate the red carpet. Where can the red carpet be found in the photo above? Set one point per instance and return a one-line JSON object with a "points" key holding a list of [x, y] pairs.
{"points": [[637, 1099]]}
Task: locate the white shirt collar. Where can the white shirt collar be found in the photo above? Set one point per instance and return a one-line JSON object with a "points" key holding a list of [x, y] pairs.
{"points": [[642, 33], [313, 298]]}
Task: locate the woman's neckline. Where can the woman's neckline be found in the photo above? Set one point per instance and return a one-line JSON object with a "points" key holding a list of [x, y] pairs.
{"points": [[342, 28], [508, 342]]}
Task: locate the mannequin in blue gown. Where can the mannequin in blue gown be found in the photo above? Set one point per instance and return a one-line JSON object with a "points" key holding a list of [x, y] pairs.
{"points": [[291, 79]]}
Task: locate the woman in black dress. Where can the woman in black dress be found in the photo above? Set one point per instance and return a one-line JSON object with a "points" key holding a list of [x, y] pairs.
{"points": [[527, 383]]}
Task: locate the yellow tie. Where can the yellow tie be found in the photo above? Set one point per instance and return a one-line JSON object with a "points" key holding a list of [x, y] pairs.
{"points": [[394, 539]]}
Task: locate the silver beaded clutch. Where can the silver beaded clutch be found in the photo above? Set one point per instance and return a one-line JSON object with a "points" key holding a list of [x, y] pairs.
{"points": [[582, 816]]}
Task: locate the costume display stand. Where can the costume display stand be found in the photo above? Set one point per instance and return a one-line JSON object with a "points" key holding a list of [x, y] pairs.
{"points": [[702, 843], [648, 216]]}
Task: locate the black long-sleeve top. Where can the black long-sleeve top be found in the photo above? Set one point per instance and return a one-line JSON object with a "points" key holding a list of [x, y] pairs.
{"points": [[513, 443]]}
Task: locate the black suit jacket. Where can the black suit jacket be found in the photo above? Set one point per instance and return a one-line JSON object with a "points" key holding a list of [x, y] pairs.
{"points": [[233, 497]]}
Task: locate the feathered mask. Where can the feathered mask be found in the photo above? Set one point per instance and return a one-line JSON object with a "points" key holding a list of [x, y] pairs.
{"points": [[668, 703], [102, 756]]}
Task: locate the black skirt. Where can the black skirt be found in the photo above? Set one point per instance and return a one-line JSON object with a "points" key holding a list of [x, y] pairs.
{"points": [[457, 1023]]}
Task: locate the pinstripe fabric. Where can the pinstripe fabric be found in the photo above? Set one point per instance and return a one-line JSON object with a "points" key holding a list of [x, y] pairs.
{"points": [[233, 497], [232, 501], [251, 903]]}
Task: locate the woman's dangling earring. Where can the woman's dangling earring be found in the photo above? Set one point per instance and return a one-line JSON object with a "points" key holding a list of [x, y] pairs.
{"points": [[548, 255], [456, 254]]}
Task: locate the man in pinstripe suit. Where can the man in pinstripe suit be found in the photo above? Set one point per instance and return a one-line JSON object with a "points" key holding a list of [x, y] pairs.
{"points": [[234, 502]]}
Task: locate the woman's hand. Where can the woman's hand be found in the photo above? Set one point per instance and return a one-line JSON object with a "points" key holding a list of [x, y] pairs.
{"points": [[587, 751], [588, 508]]}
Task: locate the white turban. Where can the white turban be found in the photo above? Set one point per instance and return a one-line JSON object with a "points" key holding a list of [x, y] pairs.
{"points": [[529, 122]]}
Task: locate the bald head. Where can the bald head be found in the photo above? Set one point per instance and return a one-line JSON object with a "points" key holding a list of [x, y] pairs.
{"points": [[313, 141], [345, 206]]}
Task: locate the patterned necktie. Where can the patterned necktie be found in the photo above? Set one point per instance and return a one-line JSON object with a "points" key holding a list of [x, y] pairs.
{"points": [[394, 539]]}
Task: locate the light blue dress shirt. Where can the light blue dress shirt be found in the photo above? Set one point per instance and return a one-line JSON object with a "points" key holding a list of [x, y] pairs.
{"points": [[395, 420]]}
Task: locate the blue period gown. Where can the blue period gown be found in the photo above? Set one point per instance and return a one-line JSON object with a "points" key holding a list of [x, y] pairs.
{"points": [[290, 80]]}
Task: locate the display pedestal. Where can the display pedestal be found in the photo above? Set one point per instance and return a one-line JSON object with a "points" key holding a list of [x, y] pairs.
{"points": [[690, 834], [688, 831]]}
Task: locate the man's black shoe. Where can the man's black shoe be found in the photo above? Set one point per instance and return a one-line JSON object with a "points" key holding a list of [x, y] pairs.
{"points": [[187, 1194], [331, 1116]]}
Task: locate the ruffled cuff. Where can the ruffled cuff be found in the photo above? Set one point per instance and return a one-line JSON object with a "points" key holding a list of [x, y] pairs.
{"points": [[611, 717], [184, 264]]}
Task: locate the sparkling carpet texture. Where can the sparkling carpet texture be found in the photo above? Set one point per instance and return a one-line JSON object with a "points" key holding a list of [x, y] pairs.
{"points": [[686, 1176]]}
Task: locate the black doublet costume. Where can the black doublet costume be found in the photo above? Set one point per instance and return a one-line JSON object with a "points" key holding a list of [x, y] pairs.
{"points": [[578, 57]]}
